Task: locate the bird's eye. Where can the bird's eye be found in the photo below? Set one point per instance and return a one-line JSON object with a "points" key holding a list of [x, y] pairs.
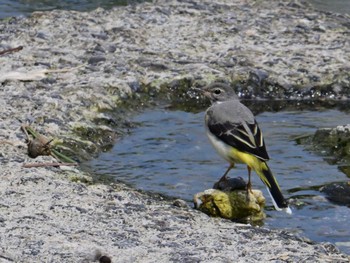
{"points": [[217, 91]]}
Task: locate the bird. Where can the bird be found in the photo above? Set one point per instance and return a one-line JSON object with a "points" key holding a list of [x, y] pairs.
{"points": [[235, 134]]}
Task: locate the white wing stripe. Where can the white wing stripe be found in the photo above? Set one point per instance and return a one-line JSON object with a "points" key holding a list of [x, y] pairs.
{"points": [[244, 141]]}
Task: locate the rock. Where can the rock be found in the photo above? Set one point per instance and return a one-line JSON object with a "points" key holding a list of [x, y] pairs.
{"points": [[230, 184], [334, 142], [180, 203], [338, 192], [236, 205]]}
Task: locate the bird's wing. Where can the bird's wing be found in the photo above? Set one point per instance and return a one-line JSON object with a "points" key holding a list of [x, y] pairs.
{"points": [[243, 136]]}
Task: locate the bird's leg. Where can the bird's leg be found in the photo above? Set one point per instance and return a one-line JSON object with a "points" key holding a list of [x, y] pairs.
{"points": [[249, 184], [224, 177]]}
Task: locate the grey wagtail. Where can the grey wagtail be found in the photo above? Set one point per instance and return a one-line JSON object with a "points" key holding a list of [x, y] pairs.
{"points": [[235, 134]]}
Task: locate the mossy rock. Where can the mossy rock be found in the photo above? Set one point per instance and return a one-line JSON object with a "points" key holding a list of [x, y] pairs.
{"points": [[334, 142], [338, 193], [235, 205]]}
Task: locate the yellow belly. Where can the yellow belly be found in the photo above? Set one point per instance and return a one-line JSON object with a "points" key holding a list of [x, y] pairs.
{"points": [[233, 155]]}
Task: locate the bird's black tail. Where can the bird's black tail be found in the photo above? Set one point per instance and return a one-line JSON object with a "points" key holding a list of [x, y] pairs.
{"points": [[270, 181]]}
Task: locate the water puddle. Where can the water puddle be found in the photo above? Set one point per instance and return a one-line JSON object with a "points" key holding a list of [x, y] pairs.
{"points": [[25, 8], [169, 153], [338, 6]]}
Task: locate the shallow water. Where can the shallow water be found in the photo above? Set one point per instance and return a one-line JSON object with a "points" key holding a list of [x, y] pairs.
{"points": [[339, 6], [169, 153], [10, 8]]}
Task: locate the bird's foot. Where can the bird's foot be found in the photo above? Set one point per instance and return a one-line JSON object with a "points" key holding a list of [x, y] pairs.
{"points": [[249, 188]]}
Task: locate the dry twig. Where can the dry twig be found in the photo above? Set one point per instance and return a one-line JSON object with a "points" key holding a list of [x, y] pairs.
{"points": [[56, 164], [11, 50]]}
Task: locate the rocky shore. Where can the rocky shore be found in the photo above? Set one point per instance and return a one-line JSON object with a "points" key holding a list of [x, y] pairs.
{"points": [[69, 80]]}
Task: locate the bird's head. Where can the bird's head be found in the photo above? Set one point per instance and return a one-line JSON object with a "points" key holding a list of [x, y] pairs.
{"points": [[219, 92]]}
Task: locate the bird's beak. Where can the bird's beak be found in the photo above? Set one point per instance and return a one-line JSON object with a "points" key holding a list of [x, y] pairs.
{"points": [[206, 93], [197, 89], [203, 92]]}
